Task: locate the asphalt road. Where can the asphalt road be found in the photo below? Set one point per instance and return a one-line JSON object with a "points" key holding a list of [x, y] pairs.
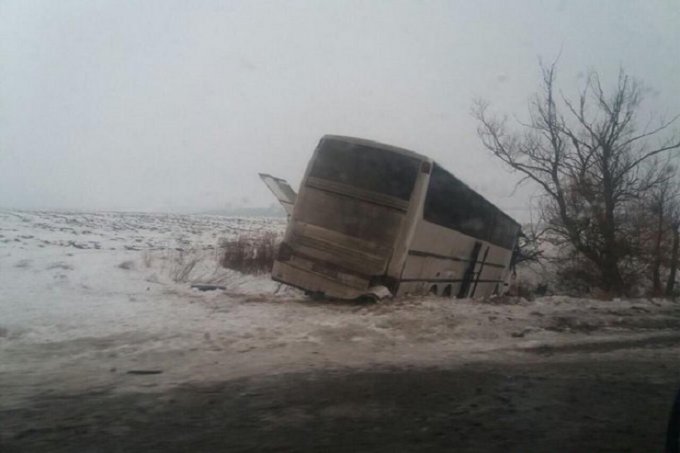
{"points": [[572, 406]]}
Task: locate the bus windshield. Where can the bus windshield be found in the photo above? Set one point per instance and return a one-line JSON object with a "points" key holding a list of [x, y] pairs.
{"points": [[365, 167]]}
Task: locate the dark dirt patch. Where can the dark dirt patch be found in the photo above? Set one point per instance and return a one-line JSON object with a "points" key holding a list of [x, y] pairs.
{"points": [[563, 407], [614, 344], [577, 322]]}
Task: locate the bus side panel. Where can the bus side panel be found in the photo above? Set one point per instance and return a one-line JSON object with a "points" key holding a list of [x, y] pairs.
{"points": [[413, 217], [439, 258]]}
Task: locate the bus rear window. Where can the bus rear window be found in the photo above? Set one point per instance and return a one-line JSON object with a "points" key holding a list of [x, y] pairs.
{"points": [[367, 168]]}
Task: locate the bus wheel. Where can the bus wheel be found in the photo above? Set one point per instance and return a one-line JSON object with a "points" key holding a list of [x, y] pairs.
{"points": [[447, 291], [433, 290]]}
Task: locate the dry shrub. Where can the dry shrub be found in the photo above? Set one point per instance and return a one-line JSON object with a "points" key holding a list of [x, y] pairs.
{"points": [[182, 264], [127, 265], [147, 259], [578, 277], [518, 290], [250, 254]]}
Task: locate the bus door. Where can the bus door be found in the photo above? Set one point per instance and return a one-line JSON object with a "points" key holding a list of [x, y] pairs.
{"points": [[479, 272], [469, 275]]}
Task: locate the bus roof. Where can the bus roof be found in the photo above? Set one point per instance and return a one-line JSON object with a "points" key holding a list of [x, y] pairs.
{"points": [[406, 152], [374, 144]]}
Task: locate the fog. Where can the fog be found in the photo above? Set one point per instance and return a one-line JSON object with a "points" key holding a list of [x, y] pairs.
{"points": [[176, 106]]}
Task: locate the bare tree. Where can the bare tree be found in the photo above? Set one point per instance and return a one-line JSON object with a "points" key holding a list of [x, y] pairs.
{"points": [[661, 206], [527, 249], [673, 267], [589, 156], [672, 211], [650, 225]]}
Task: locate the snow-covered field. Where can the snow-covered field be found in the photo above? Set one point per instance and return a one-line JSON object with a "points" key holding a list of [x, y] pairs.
{"points": [[86, 298]]}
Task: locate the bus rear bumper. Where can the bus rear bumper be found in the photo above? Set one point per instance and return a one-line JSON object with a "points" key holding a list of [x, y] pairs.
{"points": [[318, 282]]}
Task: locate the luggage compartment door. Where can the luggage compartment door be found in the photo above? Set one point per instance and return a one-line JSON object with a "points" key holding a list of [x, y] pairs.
{"points": [[281, 190]]}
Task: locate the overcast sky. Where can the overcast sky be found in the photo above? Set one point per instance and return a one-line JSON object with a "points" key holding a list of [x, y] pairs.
{"points": [[173, 105]]}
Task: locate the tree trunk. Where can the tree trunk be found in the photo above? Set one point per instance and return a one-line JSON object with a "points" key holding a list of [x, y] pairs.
{"points": [[611, 277], [656, 264], [670, 285]]}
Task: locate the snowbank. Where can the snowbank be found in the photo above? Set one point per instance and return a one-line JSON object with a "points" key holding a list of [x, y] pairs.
{"points": [[84, 297]]}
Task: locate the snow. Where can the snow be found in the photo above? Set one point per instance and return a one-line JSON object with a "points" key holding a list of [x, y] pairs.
{"points": [[86, 297]]}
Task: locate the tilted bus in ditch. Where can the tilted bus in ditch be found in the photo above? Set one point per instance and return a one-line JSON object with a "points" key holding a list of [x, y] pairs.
{"points": [[375, 220]]}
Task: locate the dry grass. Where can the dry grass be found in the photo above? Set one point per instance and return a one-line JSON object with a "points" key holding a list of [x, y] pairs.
{"points": [[250, 254], [147, 259], [182, 265]]}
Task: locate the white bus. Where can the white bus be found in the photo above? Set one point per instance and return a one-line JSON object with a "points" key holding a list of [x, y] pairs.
{"points": [[375, 220]]}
